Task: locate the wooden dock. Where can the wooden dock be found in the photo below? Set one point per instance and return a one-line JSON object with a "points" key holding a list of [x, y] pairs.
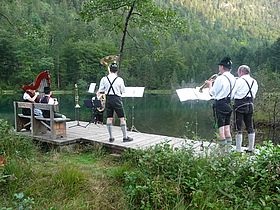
{"points": [[97, 133]]}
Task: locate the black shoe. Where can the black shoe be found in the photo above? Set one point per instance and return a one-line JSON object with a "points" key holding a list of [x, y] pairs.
{"points": [[111, 140], [127, 139], [249, 151]]}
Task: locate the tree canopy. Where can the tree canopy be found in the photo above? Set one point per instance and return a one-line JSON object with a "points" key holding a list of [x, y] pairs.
{"points": [[164, 44]]}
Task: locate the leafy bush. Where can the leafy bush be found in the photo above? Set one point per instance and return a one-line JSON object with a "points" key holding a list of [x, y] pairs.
{"points": [[13, 145], [167, 179]]}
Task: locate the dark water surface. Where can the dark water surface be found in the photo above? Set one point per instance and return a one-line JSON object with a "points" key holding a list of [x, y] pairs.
{"points": [[157, 114]]}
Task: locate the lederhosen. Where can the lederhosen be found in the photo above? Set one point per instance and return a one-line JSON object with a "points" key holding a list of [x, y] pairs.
{"points": [[113, 102], [222, 109], [243, 109]]}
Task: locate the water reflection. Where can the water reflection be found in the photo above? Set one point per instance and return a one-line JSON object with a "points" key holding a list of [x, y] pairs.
{"points": [[157, 114]]}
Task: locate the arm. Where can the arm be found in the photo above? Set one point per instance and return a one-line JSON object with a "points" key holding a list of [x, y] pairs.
{"points": [[122, 86], [26, 96], [101, 88]]}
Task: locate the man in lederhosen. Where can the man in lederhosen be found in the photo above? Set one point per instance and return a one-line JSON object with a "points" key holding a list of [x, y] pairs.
{"points": [[221, 92], [243, 94], [113, 86]]}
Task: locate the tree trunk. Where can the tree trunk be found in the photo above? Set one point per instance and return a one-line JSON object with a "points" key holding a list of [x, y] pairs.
{"points": [[125, 31]]}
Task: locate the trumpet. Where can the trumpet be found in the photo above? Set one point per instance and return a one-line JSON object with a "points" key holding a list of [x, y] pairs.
{"points": [[204, 85]]}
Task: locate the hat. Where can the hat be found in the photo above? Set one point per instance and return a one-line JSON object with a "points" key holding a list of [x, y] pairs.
{"points": [[47, 90], [114, 67], [226, 62]]}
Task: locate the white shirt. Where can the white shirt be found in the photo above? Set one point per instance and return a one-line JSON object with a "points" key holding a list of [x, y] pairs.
{"points": [[241, 88], [222, 86], [52, 101], [26, 96], [118, 85]]}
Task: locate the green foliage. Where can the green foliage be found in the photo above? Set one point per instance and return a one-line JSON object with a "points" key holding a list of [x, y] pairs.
{"points": [[13, 145], [70, 179], [168, 43], [163, 179]]}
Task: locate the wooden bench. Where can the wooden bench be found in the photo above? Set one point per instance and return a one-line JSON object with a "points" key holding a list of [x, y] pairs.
{"points": [[40, 125]]}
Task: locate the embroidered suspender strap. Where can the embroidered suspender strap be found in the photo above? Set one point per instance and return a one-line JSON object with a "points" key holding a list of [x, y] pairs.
{"points": [[250, 88], [111, 86]]}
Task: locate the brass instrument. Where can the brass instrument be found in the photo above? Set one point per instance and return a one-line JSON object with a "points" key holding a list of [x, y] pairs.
{"points": [[102, 98], [76, 96], [204, 85], [106, 61]]}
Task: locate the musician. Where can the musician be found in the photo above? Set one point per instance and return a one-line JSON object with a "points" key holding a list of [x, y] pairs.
{"points": [[48, 99], [243, 94], [113, 86], [221, 91], [31, 96]]}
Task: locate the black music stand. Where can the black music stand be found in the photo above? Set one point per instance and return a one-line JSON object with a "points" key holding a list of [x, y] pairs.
{"points": [[133, 92], [93, 104]]}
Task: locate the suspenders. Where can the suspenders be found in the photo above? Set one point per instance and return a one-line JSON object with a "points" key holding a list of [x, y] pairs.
{"points": [[111, 86], [250, 88], [231, 88]]}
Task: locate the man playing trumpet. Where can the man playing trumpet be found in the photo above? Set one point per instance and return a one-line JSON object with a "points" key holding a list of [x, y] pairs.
{"points": [[221, 92]]}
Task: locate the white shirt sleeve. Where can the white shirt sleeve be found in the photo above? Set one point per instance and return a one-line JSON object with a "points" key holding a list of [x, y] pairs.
{"points": [[26, 96], [52, 101], [102, 85], [122, 86]]}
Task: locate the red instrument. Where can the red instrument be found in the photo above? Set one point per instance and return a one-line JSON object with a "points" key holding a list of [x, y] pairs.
{"points": [[42, 80]]}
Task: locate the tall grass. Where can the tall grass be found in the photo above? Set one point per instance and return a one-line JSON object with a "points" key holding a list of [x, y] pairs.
{"points": [[85, 179]]}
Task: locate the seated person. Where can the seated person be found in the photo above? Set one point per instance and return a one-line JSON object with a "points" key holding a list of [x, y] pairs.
{"points": [[48, 99], [31, 96]]}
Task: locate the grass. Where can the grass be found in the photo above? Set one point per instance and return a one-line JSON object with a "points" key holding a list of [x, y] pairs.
{"points": [[158, 178]]}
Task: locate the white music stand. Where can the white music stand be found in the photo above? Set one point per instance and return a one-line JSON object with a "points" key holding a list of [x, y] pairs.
{"points": [[133, 92], [91, 88], [188, 94]]}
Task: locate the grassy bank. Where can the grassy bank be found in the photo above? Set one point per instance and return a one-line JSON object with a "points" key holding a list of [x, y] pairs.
{"points": [[159, 178]]}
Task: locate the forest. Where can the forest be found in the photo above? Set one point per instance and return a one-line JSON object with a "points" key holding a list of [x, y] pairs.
{"points": [[164, 45]]}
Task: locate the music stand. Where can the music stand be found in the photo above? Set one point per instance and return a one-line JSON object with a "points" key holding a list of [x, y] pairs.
{"points": [[133, 92], [187, 94], [91, 87], [93, 104]]}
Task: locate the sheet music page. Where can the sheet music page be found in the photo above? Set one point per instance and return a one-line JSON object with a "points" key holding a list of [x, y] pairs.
{"points": [[204, 95], [186, 94], [91, 87], [133, 92]]}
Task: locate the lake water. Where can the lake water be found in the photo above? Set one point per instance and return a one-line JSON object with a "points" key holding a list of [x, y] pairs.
{"points": [[157, 114]]}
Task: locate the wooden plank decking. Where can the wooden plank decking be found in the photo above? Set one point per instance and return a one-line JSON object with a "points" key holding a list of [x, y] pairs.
{"points": [[98, 134]]}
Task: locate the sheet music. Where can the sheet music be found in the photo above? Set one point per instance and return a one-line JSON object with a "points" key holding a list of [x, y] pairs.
{"points": [[133, 92], [186, 94], [91, 87]]}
